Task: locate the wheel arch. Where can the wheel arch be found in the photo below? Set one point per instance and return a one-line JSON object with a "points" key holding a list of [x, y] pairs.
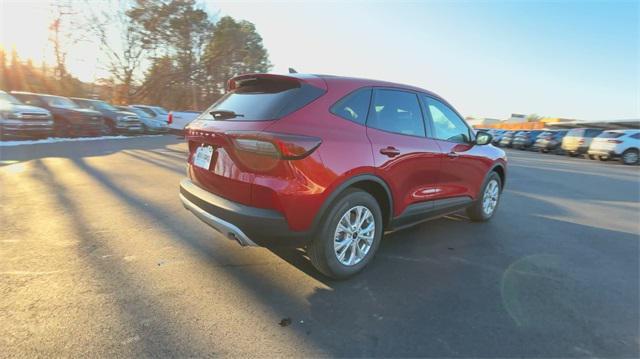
{"points": [[501, 171], [369, 183]]}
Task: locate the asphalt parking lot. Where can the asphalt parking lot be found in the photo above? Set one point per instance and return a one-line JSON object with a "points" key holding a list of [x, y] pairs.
{"points": [[98, 258]]}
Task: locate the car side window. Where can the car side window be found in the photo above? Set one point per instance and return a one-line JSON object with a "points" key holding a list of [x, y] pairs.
{"points": [[354, 107], [636, 136], [396, 111], [447, 125]]}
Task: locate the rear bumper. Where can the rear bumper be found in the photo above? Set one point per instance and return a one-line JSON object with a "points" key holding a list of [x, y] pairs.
{"points": [[602, 152], [249, 226], [546, 144], [521, 144], [578, 150]]}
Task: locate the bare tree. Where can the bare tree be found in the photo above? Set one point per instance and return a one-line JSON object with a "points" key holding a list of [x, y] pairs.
{"points": [[57, 35], [122, 45]]}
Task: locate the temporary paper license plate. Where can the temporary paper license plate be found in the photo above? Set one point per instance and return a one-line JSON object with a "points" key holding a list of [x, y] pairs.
{"points": [[202, 157]]}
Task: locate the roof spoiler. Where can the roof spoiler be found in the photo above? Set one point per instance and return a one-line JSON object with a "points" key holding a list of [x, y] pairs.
{"points": [[312, 80]]}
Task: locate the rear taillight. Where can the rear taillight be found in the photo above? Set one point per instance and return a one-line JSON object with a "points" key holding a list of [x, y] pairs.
{"points": [[615, 141], [170, 118], [284, 146], [581, 141]]}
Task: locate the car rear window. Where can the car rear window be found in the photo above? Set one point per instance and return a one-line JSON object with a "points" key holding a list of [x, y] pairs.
{"points": [[261, 99], [592, 133], [575, 132], [610, 134]]}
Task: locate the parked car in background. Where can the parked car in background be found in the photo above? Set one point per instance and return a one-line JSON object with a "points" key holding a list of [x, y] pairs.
{"points": [[549, 141], [156, 112], [624, 144], [116, 121], [525, 139], [68, 117], [330, 163], [20, 120], [576, 142], [150, 124], [507, 139], [178, 120], [497, 137]]}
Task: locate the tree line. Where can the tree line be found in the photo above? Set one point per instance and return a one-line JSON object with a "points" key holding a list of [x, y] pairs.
{"points": [[162, 52]]}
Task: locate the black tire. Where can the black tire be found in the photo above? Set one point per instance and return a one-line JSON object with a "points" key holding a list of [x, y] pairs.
{"points": [[573, 154], [592, 157], [476, 211], [630, 157], [321, 249]]}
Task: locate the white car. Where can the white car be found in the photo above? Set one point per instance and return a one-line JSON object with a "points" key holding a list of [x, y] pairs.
{"points": [[624, 144]]}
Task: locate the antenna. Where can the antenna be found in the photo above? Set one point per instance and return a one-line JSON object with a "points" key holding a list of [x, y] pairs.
{"points": [[292, 70]]}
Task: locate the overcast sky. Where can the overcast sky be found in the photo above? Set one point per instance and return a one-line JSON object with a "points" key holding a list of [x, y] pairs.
{"points": [[575, 59]]}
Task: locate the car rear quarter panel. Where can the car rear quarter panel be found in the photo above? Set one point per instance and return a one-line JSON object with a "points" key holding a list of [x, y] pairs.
{"points": [[345, 152]]}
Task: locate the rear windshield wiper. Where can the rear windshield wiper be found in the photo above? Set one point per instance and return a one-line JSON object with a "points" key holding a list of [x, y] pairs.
{"points": [[224, 114]]}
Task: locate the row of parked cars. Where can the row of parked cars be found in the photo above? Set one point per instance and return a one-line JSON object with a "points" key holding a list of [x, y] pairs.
{"points": [[26, 114], [623, 144]]}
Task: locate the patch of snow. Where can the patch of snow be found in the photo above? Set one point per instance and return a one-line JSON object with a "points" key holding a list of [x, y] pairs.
{"points": [[67, 139]]}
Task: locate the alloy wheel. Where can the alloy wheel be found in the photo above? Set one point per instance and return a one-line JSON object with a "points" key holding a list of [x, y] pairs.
{"points": [[490, 197], [354, 235], [630, 157]]}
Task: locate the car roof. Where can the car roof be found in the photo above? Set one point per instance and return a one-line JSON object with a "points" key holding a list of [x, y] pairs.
{"points": [[624, 131], [371, 82], [86, 99], [35, 94], [352, 81]]}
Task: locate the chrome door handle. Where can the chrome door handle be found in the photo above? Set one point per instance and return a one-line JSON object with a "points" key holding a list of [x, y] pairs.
{"points": [[453, 154]]}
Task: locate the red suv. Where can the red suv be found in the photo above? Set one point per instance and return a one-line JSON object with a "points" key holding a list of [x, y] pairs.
{"points": [[331, 163]]}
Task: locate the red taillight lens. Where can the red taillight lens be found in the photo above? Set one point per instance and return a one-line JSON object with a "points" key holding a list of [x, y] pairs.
{"points": [[285, 146], [614, 141], [170, 118], [580, 141]]}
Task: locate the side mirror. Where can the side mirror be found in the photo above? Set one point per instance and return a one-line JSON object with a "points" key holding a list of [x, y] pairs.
{"points": [[483, 138]]}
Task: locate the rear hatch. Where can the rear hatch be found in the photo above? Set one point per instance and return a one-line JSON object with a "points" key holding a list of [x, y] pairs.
{"points": [[519, 138], [543, 139], [229, 143], [507, 137], [606, 141], [573, 139]]}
